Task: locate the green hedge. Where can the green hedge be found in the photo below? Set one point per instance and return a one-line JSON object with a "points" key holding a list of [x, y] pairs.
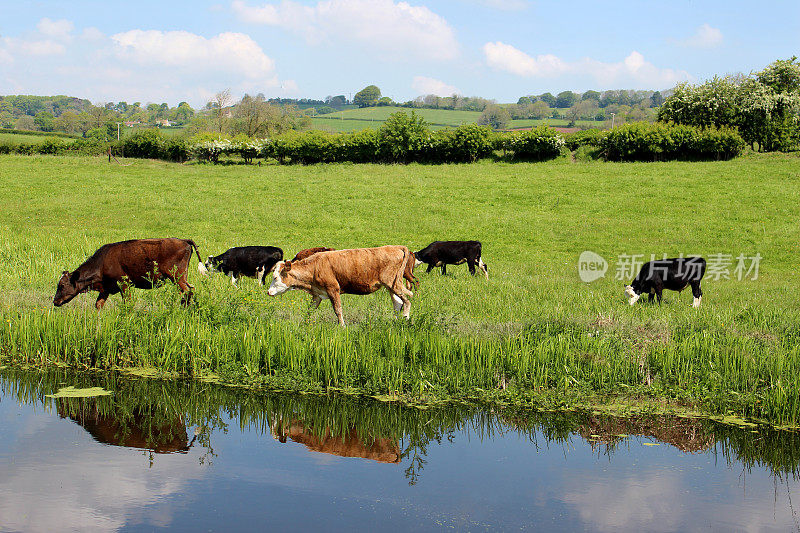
{"points": [[642, 141], [55, 146]]}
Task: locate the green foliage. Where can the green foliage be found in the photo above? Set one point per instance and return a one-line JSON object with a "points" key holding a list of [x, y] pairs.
{"points": [[402, 137], [538, 144], [149, 144], [765, 107], [470, 142], [642, 141], [495, 116], [367, 97], [592, 137]]}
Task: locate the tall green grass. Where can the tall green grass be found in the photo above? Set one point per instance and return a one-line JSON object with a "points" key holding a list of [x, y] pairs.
{"points": [[533, 334]]}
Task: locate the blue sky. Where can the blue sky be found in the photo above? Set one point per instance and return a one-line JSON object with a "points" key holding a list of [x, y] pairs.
{"points": [[170, 51]]}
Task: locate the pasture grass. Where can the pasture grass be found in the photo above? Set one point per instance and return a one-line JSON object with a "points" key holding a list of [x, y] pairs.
{"points": [[22, 138], [533, 334]]}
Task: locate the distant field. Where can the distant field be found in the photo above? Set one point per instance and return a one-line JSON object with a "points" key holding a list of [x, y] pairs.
{"points": [[374, 117], [22, 138]]}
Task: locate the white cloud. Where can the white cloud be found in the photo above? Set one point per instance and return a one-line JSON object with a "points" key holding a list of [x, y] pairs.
{"points": [[183, 50], [57, 29], [505, 57], [34, 47], [397, 29], [704, 37], [634, 69], [424, 85], [92, 34], [506, 5]]}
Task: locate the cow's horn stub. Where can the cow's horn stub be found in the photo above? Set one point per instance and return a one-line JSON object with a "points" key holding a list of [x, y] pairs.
{"points": [[287, 265]]}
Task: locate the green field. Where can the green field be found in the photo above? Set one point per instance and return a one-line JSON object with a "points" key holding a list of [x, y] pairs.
{"points": [[374, 117], [22, 138], [533, 334]]}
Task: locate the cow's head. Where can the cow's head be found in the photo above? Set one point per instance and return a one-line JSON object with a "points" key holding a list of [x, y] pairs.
{"points": [[68, 288], [209, 267], [633, 296], [416, 256], [281, 278]]}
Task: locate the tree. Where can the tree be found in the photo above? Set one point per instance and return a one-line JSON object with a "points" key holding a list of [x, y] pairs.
{"points": [[221, 100], [385, 101], [540, 110], [548, 99], [402, 136], [367, 97], [656, 99], [44, 121], [591, 95], [495, 116], [252, 114], [336, 102], [524, 100], [25, 122], [566, 99], [68, 122]]}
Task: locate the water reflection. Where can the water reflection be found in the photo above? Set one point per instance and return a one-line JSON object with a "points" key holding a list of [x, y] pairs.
{"points": [[126, 461]]}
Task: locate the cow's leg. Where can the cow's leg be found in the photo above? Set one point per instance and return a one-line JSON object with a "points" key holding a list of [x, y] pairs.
{"points": [[652, 295], [397, 302], [186, 289], [659, 289], [336, 302], [471, 264], [260, 273], [697, 292], [430, 267], [483, 267], [315, 301], [444, 269], [101, 300], [234, 278], [401, 298]]}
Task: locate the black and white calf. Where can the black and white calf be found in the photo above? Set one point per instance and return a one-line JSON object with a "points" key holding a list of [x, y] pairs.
{"points": [[443, 253], [673, 274], [250, 261]]}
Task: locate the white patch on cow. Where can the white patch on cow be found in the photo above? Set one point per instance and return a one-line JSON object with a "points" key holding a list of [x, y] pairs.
{"points": [[260, 273], [397, 302], [202, 269], [417, 262], [277, 286], [696, 302], [482, 266], [233, 279], [632, 295]]}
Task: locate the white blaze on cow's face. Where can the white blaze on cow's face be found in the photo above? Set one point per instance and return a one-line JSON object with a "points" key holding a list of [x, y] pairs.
{"points": [[202, 269], [633, 297], [277, 286], [417, 262]]}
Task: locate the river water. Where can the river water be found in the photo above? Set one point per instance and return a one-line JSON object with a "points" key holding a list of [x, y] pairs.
{"points": [[190, 456]]}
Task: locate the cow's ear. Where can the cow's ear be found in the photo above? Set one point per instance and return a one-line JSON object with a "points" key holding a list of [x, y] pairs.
{"points": [[287, 266], [73, 278]]}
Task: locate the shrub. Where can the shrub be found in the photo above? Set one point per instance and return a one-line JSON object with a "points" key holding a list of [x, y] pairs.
{"points": [[53, 146], [537, 144], [642, 141], [591, 137], [470, 142], [174, 149], [402, 138], [144, 143]]}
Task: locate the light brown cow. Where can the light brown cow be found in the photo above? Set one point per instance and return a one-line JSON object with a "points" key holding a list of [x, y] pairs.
{"points": [[408, 274], [382, 450], [356, 271]]}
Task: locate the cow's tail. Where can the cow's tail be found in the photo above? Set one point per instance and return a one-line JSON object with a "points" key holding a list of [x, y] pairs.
{"points": [[200, 266], [401, 272]]}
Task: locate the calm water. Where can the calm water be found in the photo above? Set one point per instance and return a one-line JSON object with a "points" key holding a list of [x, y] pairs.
{"points": [[197, 457]]}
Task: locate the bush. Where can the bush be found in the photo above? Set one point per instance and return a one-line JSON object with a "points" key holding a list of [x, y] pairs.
{"points": [[470, 142], [144, 143], [642, 141], [537, 144], [591, 137], [402, 138]]}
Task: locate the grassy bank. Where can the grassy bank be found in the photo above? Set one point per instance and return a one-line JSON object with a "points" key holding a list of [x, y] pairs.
{"points": [[534, 334]]}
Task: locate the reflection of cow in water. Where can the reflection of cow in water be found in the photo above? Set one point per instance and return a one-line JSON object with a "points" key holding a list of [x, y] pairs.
{"points": [[350, 445], [137, 431]]}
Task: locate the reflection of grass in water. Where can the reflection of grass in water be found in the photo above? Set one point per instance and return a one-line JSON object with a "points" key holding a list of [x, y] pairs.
{"points": [[72, 392], [152, 407]]}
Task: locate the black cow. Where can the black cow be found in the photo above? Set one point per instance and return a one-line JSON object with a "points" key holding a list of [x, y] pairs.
{"points": [[673, 274], [443, 253], [250, 261]]}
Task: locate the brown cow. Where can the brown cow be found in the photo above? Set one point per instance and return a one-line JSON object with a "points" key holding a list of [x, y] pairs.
{"points": [[408, 274], [308, 252], [382, 450], [357, 271], [140, 263]]}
